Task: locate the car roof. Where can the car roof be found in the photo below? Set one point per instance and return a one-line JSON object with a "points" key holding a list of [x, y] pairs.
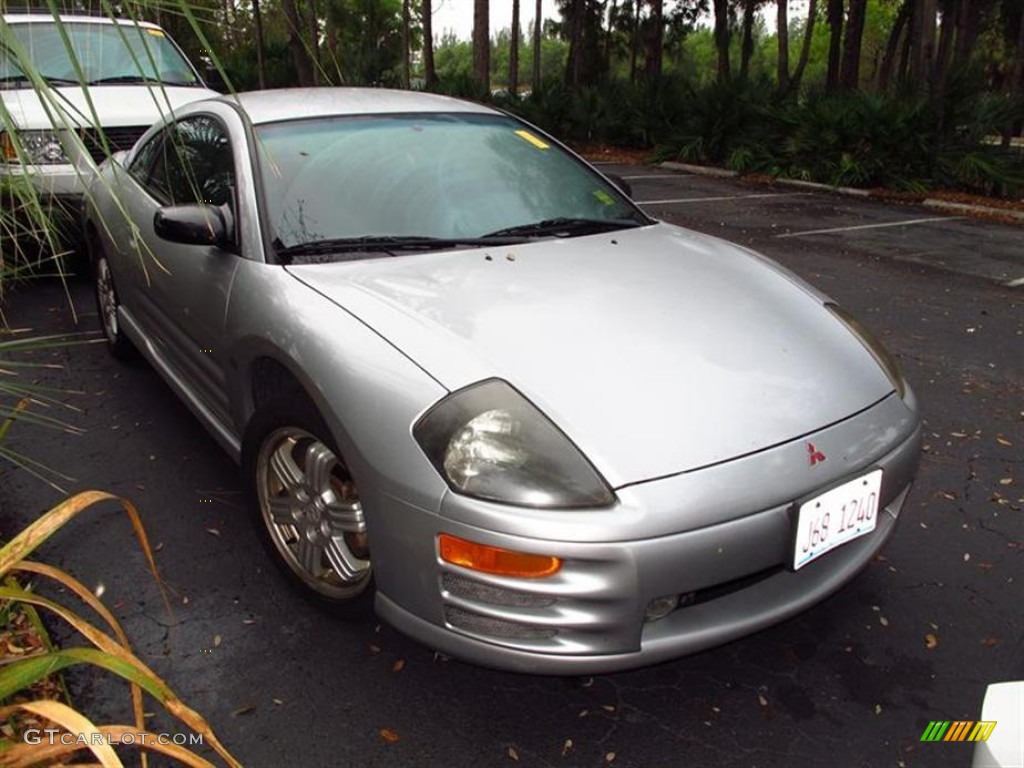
{"points": [[273, 106], [66, 18]]}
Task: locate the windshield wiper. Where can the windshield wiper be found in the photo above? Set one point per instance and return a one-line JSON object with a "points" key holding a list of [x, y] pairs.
{"points": [[22, 79], [337, 248], [126, 79], [564, 227]]}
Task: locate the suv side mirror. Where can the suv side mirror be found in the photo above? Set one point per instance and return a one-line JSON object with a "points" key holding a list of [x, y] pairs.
{"points": [[621, 183], [215, 79]]}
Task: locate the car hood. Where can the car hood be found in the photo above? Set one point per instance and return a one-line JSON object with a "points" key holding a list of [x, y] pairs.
{"points": [[657, 350], [115, 105]]}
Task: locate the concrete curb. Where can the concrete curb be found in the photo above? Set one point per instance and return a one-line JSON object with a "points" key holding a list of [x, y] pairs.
{"points": [[967, 208], [700, 170], [938, 204]]}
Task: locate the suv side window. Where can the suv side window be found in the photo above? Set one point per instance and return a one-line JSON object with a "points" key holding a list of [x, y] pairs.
{"points": [[191, 163]]}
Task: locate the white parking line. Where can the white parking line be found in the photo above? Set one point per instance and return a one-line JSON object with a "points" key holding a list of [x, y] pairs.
{"points": [[717, 199], [906, 223], [1014, 283]]}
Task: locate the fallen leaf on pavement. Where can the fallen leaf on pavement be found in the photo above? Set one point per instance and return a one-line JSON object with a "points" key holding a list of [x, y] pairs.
{"points": [[610, 757], [213, 531], [244, 710], [398, 666], [991, 642], [931, 641], [511, 752], [566, 747], [389, 735]]}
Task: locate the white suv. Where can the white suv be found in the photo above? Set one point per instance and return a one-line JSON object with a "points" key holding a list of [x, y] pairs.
{"points": [[134, 75]]}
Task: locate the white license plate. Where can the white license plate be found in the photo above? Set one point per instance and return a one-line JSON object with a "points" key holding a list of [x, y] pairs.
{"points": [[836, 517]]}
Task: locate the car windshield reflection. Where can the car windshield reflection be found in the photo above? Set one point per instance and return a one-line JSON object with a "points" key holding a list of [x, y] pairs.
{"points": [[442, 177]]}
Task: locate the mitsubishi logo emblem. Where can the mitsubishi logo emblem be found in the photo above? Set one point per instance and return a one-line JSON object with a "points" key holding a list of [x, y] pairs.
{"points": [[814, 456]]}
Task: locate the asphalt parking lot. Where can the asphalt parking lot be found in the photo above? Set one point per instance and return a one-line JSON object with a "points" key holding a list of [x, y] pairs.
{"points": [[852, 682]]}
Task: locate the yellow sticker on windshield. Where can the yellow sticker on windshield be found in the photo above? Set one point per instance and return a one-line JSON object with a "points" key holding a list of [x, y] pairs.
{"points": [[155, 32], [527, 136], [604, 197]]}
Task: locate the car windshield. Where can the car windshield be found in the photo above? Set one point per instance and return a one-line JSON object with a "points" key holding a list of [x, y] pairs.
{"points": [[106, 53], [449, 177]]}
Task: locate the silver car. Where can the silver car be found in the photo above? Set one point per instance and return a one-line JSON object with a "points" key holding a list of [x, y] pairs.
{"points": [[471, 385]]}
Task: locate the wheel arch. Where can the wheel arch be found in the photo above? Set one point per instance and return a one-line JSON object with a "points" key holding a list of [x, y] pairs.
{"points": [[269, 374]]}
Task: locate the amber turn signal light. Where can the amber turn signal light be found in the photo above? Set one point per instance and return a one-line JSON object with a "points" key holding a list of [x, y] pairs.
{"points": [[501, 562], [7, 149]]}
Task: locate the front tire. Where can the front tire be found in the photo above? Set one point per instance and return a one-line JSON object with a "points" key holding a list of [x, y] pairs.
{"points": [[107, 303], [306, 506]]}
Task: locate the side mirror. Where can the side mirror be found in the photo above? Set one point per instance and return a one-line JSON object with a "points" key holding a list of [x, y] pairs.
{"points": [[195, 224], [215, 80], [621, 183]]}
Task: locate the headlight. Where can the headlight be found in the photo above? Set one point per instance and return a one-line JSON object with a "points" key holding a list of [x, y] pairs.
{"points": [[39, 147], [873, 345], [490, 442]]}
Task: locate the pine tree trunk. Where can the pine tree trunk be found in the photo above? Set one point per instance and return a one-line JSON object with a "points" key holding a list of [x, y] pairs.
{"points": [[805, 50], [314, 42], [892, 45], [513, 53], [1016, 84], [903, 72], [429, 71], [482, 44], [747, 41], [783, 34], [574, 66], [940, 70], [722, 40], [609, 37], [406, 73], [261, 65], [296, 45], [634, 43], [537, 34], [849, 76], [922, 42], [656, 49], [835, 41]]}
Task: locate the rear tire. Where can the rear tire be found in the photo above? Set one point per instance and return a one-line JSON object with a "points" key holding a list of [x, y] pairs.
{"points": [[306, 507], [107, 303]]}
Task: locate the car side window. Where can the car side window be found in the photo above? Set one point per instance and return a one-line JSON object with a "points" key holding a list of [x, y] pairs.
{"points": [[193, 163]]}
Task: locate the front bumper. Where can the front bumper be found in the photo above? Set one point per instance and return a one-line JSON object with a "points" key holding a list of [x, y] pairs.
{"points": [[54, 192], [731, 564], [61, 180]]}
